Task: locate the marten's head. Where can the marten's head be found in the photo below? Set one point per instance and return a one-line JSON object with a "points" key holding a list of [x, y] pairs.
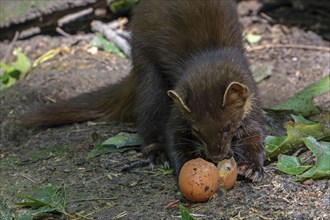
{"points": [[214, 113]]}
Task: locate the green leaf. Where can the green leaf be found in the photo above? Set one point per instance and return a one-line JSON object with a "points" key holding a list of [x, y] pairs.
{"points": [[15, 70], [262, 72], [100, 42], [5, 67], [123, 139], [165, 171], [185, 214], [32, 214], [50, 198], [302, 102], [295, 134], [6, 78], [22, 64], [302, 120], [116, 143], [102, 149], [321, 151], [290, 165], [32, 202], [273, 145], [253, 38], [122, 5], [46, 56]]}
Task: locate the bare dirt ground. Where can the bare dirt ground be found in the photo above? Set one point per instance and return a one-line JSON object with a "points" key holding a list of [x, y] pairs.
{"points": [[35, 158]]}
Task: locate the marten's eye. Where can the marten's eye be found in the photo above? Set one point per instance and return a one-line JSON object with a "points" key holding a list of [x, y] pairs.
{"points": [[226, 129]]}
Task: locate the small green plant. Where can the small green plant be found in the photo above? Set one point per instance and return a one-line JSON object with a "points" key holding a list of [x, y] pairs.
{"points": [[117, 143], [165, 171], [253, 38], [51, 199], [185, 215], [321, 169], [14, 71], [100, 42], [296, 131], [302, 132], [46, 56], [122, 5], [302, 103]]}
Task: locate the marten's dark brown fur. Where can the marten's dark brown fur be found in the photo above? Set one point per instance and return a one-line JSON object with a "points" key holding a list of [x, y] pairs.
{"points": [[190, 90]]}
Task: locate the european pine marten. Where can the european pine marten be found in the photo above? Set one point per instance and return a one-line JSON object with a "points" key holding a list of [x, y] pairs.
{"points": [[190, 89]]}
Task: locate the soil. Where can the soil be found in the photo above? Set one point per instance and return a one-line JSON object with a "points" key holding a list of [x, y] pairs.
{"points": [[34, 158]]}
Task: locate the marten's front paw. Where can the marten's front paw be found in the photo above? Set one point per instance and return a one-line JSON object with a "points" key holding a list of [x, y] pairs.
{"points": [[155, 154], [252, 171]]}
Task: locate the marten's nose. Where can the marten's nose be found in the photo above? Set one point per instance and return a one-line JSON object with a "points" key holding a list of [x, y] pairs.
{"points": [[216, 159]]}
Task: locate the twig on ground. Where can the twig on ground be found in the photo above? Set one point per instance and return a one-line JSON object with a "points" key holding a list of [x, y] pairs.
{"points": [[285, 200], [111, 35], [9, 49], [89, 214], [296, 46], [120, 215], [117, 24], [82, 216], [28, 178], [125, 34], [72, 17], [265, 16], [92, 199], [29, 32], [260, 215], [118, 27], [62, 32], [171, 204]]}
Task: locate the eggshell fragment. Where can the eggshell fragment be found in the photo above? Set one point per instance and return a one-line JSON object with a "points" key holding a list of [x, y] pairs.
{"points": [[198, 180], [228, 173]]}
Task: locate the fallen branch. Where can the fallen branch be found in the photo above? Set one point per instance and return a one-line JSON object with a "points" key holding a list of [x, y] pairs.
{"points": [[62, 32], [72, 17], [111, 35], [123, 33], [295, 46], [119, 23], [47, 16], [11, 45], [91, 199], [118, 27]]}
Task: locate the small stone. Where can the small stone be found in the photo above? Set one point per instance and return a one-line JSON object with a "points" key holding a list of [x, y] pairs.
{"points": [[308, 182]]}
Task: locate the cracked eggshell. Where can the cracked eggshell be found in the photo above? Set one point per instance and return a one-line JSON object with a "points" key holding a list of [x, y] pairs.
{"points": [[198, 180], [228, 173]]}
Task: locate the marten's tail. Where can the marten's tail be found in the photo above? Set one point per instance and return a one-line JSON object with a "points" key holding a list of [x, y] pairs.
{"points": [[113, 103]]}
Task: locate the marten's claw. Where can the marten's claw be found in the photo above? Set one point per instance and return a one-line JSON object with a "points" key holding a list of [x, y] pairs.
{"points": [[251, 171], [167, 165], [135, 164], [155, 154], [254, 176], [157, 162]]}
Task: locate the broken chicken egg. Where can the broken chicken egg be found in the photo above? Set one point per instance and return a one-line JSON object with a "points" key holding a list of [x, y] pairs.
{"points": [[200, 179]]}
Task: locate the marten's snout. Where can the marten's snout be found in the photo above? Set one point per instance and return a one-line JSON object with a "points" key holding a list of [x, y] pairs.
{"points": [[218, 153], [217, 159]]}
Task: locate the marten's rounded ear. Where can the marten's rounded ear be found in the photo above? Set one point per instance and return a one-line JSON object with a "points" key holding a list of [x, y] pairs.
{"points": [[178, 100], [235, 93]]}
